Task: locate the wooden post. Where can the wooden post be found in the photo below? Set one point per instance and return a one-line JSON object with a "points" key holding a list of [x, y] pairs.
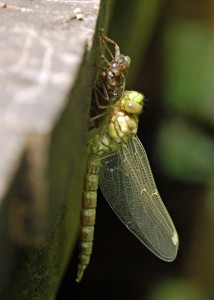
{"points": [[46, 78]]}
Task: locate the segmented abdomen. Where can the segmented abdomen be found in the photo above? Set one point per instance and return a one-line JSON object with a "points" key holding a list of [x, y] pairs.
{"points": [[88, 213]]}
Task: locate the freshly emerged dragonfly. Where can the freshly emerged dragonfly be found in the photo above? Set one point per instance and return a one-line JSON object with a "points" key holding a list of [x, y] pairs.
{"points": [[119, 162]]}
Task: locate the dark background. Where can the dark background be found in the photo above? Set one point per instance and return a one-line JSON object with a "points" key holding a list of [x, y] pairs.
{"points": [[172, 49]]}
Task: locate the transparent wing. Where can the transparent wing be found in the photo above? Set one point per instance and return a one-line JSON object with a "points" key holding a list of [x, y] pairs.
{"points": [[127, 183]]}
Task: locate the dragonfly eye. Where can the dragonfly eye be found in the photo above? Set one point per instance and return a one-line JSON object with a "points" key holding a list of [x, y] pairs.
{"points": [[128, 61], [123, 62], [116, 69], [133, 107]]}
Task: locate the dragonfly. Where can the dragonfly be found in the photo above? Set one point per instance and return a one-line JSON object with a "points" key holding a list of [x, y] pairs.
{"points": [[118, 162]]}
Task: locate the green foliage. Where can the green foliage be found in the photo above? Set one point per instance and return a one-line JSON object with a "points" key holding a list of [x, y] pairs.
{"points": [[186, 151], [132, 26], [188, 70], [176, 290]]}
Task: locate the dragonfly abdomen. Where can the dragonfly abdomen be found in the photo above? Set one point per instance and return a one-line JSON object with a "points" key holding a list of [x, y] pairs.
{"points": [[88, 214]]}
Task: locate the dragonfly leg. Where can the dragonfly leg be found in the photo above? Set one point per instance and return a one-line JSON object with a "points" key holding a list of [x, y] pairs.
{"points": [[98, 105], [105, 38], [104, 95]]}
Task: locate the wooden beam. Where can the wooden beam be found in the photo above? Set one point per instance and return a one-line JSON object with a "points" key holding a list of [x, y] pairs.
{"points": [[46, 78]]}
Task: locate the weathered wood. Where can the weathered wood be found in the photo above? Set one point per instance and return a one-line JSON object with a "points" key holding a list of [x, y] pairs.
{"points": [[46, 75]]}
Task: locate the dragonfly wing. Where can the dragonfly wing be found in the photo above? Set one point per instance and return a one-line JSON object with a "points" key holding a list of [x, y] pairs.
{"points": [[127, 183]]}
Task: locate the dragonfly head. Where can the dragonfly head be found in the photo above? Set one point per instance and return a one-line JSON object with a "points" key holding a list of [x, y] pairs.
{"points": [[132, 102]]}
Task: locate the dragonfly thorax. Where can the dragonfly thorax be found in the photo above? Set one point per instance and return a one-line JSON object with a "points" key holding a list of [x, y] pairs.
{"points": [[122, 126]]}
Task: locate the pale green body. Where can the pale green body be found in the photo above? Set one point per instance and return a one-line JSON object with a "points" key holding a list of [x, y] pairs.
{"points": [[118, 160], [117, 127]]}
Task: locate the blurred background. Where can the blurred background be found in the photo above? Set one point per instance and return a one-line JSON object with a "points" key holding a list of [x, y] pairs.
{"points": [[171, 44]]}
